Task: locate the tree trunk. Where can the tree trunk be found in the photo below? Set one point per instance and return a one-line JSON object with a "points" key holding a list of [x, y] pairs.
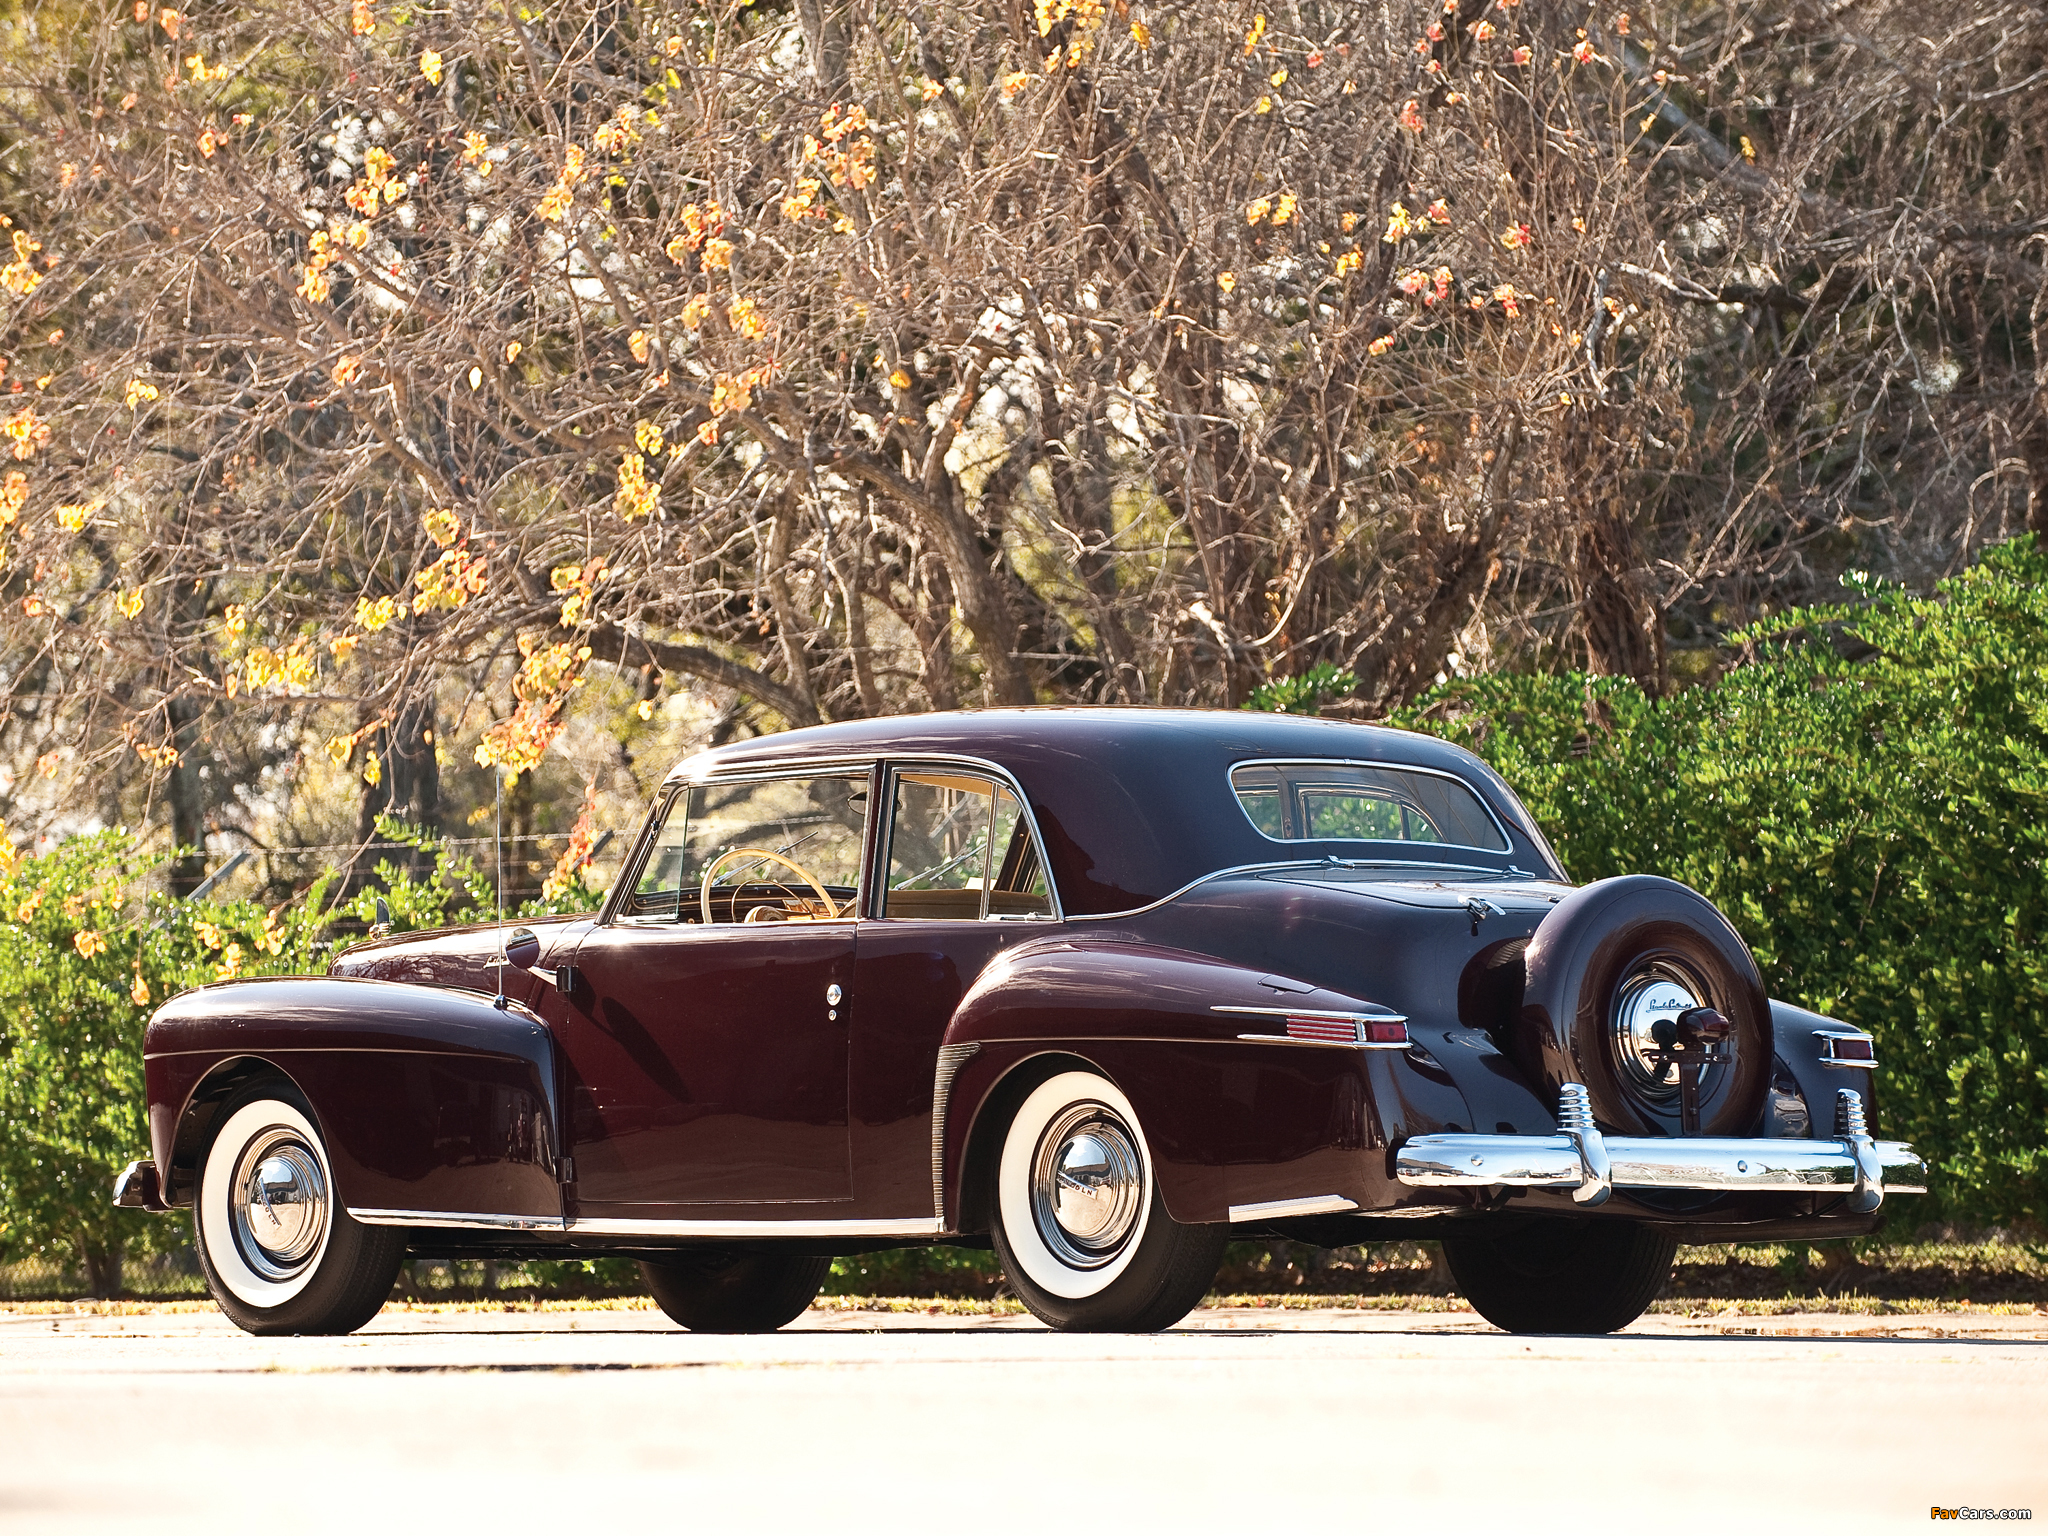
{"points": [[2033, 442], [1615, 613], [409, 783], [102, 1267], [187, 797]]}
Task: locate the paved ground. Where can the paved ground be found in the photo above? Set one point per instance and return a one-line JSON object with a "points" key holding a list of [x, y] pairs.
{"points": [[1250, 1422]]}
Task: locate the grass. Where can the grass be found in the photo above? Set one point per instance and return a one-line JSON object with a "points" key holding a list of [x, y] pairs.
{"points": [[1929, 1271]]}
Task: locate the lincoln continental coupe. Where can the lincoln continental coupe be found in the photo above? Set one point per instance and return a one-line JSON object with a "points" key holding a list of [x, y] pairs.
{"points": [[1102, 989]]}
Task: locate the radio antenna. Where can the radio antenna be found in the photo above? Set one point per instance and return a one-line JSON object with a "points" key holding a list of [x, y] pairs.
{"points": [[500, 960]]}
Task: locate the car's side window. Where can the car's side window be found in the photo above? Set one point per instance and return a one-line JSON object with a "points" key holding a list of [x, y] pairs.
{"points": [[757, 851], [960, 848]]}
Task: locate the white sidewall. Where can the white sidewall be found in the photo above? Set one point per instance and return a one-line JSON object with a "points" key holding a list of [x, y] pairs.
{"points": [[1041, 1265], [216, 1229]]}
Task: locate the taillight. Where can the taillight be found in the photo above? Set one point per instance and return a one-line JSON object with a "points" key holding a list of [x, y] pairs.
{"points": [[1848, 1050], [1330, 1031], [1348, 1030]]}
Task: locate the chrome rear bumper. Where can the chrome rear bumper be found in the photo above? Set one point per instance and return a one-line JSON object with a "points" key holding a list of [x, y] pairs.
{"points": [[1582, 1160]]}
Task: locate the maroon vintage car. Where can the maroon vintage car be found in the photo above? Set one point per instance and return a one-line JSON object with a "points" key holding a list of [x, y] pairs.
{"points": [[1102, 988]]}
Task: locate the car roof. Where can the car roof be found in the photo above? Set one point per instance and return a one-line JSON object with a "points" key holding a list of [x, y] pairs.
{"points": [[1133, 803]]}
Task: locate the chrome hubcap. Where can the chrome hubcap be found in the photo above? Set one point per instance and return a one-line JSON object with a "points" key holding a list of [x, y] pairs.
{"points": [[1646, 1002], [278, 1203], [1087, 1186]]}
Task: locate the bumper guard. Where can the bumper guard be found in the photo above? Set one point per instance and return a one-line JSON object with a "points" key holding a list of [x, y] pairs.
{"points": [[1580, 1159]]}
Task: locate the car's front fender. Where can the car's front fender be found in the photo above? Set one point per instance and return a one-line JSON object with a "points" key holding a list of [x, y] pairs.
{"points": [[430, 1099]]}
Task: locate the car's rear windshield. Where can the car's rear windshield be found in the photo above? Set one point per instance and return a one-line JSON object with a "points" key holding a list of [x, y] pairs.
{"points": [[1318, 802]]}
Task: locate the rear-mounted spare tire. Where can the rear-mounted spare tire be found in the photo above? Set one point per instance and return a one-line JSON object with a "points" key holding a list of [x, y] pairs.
{"points": [[1609, 961]]}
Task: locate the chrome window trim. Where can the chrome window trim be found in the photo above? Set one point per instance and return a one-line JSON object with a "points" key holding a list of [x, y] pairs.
{"points": [[1507, 850], [675, 785], [868, 762], [636, 857], [885, 833]]}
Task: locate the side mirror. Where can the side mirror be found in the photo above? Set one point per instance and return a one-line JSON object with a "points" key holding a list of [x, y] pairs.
{"points": [[522, 948]]}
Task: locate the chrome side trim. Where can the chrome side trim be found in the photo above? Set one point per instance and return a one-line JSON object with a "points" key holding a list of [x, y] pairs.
{"points": [[919, 1226], [951, 1059], [371, 1217], [1305, 1205], [1334, 1045], [1387, 1016]]}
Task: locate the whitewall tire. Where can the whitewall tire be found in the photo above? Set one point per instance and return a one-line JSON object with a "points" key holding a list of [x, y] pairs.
{"points": [[1079, 1223], [279, 1252]]}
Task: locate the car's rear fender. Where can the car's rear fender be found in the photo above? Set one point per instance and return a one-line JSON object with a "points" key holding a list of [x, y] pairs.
{"points": [[1232, 1123], [430, 1099]]}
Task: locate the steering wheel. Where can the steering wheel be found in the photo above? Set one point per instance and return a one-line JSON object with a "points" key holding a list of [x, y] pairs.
{"points": [[711, 873]]}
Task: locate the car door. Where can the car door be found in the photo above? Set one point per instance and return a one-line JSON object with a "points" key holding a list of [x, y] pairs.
{"points": [[961, 878], [706, 1050]]}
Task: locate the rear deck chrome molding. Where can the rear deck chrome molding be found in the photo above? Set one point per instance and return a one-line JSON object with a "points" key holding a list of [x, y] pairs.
{"points": [[1305, 1205], [476, 1219], [605, 1226], [1851, 1164]]}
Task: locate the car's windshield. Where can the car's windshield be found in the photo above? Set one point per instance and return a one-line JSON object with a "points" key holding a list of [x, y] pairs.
{"points": [[1318, 802], [774, 849]]}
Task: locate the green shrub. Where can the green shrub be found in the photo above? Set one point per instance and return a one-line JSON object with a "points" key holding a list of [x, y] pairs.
{"points": [[1866, 798], [85, 958]]}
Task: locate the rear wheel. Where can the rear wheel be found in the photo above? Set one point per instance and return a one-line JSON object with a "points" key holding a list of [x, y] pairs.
{"points": [[715, 1290], [1080, 1226], [279, 1253], [1563, 1276]]}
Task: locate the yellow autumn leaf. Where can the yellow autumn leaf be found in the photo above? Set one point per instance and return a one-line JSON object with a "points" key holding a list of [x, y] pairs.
{"points": [[430, 66], [129, 603]]}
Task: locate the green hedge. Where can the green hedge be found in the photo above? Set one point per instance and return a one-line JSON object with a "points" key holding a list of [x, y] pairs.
{"points": [[1865, 795], [86, 955]]}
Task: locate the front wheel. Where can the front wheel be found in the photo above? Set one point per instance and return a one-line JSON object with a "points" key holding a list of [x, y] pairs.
{"points": [[279, 1253], [712, 1290], [1563, 1276], [1080, 1226]]}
